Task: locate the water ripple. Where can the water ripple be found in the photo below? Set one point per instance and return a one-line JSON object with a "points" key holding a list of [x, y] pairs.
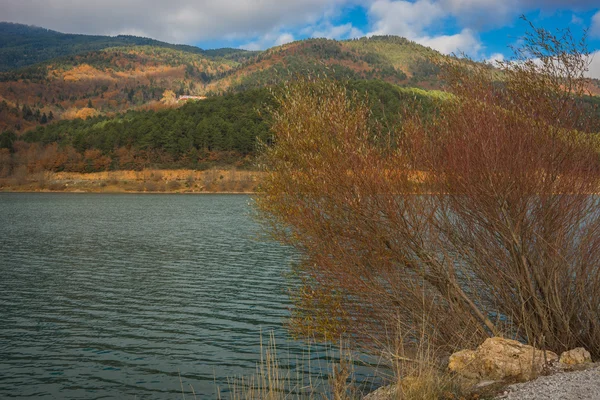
{"points": [[111, 296]]}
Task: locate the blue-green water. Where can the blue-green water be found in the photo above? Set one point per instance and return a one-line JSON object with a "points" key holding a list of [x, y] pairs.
{"points": [[117, 296]]}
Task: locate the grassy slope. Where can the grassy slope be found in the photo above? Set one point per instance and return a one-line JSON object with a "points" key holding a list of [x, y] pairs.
{"points": [[391, 59], [400, 52]]}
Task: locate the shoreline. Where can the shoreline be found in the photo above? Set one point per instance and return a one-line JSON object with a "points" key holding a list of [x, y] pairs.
{"points": [[4, 190], [213, 181]]}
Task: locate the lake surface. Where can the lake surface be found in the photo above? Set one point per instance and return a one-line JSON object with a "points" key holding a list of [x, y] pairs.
{"points": [[117, 296]]}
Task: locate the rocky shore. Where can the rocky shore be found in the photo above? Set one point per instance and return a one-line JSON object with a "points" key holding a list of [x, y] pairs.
{"points": [[507, 369], [566, 385]]}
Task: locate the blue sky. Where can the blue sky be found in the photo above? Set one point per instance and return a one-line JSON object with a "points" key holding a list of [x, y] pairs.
{"points": [[483, 29]]}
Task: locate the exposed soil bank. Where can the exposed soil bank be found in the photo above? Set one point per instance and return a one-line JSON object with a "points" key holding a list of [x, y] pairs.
{"points": [[146, 181]]}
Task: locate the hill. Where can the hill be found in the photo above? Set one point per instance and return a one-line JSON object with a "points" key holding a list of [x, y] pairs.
{"points": [[24, 45], [102, 82], [219, 131], [126, 107], [132, 76], [387, 58]]}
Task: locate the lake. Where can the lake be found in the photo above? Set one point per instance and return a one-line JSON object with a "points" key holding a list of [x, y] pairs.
{"points": [[118, 296]]}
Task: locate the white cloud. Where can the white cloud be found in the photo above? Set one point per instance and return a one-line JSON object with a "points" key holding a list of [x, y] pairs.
{"points": [[495, 58], [576, 20], [556, 4], [595, 27], [182, 21], [269, 40], [594, 68], [593, 64], [487, 14], [329, 31], [413, 20], [424, 20], [478, 13], [463, 42], [262, 23], [404, 18], [284, 38]]}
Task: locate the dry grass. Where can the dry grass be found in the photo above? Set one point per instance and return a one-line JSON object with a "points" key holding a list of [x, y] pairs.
{"points": [[172, 181], [276, 381], [416, 373]]}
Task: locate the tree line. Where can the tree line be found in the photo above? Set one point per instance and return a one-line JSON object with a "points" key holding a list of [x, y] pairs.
{"points": [[220, 130]]}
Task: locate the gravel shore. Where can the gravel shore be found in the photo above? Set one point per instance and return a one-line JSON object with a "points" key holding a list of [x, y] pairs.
{"points": [[574, 385]]}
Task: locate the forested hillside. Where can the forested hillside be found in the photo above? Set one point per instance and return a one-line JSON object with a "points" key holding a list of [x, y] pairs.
{"points": [[387, 58], [124, 104], [224, 130], [23, 45], [134, 76], [102, 82]]}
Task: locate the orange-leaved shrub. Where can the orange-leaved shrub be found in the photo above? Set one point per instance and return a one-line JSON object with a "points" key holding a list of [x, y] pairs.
{"points": [[477, 218]]}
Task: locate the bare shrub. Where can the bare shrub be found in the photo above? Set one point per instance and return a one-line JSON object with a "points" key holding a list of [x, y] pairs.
{"points": [[190, 181], [151, 186], [157, 176], [41, 179], [209, 177], [478, 216], [6, 163], [57, 186], [173, 185], [19, 176], [113, 180]]}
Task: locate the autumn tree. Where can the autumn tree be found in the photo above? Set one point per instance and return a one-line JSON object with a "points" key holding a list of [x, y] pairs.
{"points": [[169, 97], [96, 161], [475, 219]]}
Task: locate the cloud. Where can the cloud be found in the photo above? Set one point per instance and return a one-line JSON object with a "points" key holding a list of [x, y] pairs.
{"points": [[576, 20], [182, 21], [446, 25], [594, 68], [495, 58], [426, 21], [595, 27], [284, 38], [269, 40], [330, 31], [414, 20], [463, 42], [556, 4], [476, 14], [404, 18]]}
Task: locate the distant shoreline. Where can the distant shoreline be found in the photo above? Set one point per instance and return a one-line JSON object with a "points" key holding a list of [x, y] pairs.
{"points": [[212, 181], [3, 190]]}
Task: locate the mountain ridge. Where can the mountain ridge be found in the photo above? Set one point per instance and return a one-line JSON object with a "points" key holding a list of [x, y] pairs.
{"points": [[131, 76], [24, 45], [119, 107]]}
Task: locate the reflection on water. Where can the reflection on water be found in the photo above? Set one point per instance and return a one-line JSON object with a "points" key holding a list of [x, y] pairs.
{"points": [[114, 296]]}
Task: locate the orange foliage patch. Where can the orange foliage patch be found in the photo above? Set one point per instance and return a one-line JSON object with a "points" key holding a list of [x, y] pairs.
{"points": [[82, 113], [83, 72]]}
